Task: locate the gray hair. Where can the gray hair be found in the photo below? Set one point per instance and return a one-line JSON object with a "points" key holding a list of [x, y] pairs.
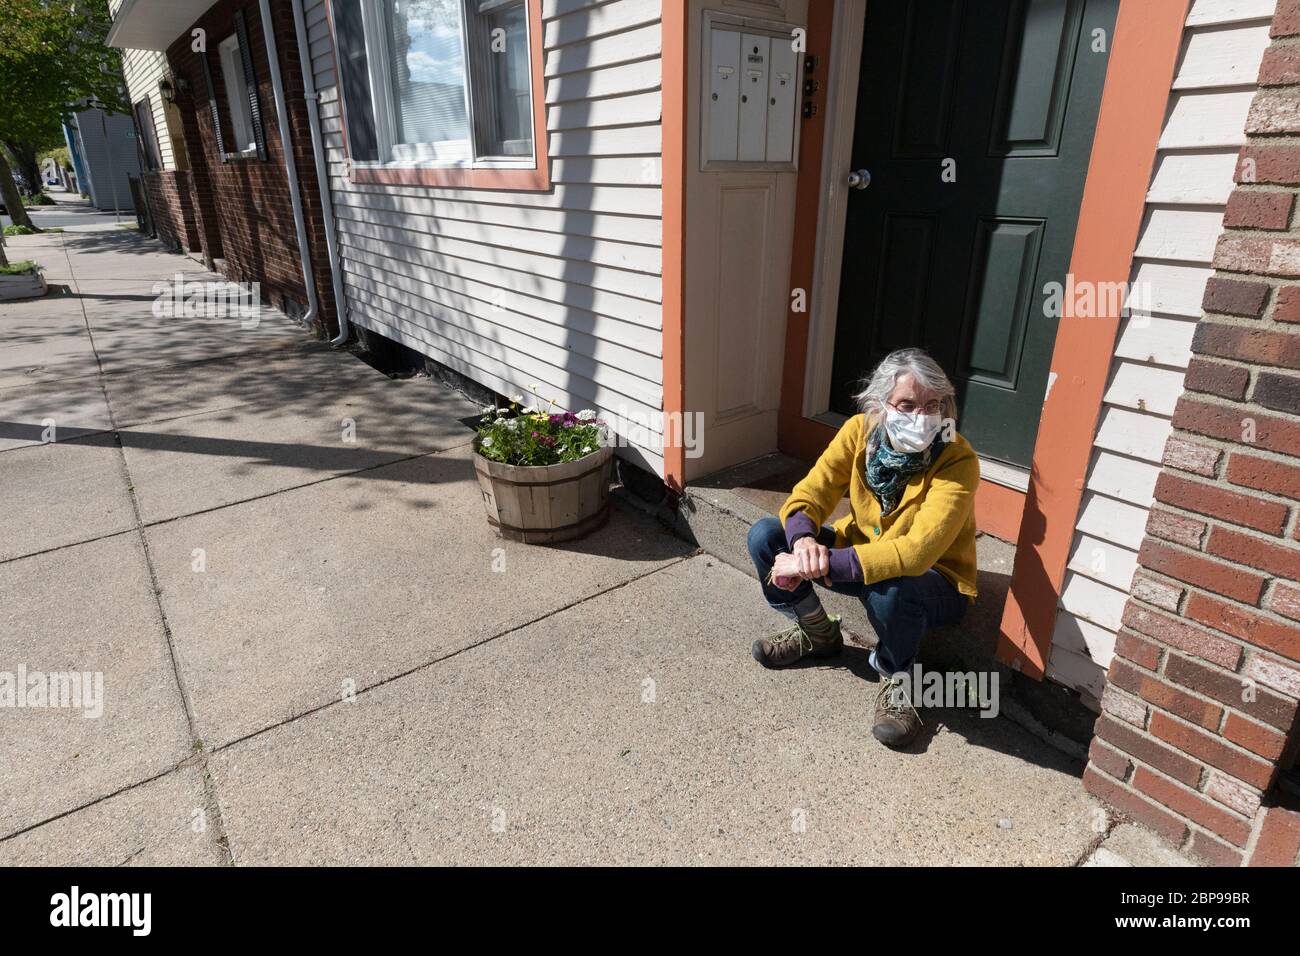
{"points": [[876, 389]]}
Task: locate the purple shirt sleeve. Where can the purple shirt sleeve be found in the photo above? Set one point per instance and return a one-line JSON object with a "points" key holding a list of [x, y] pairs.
{"points": [[797, 526], [845, 566]]}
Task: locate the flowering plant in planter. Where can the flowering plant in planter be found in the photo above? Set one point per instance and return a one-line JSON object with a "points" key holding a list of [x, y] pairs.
{"points": [[20, 280], [544, 475], [516, 436]]}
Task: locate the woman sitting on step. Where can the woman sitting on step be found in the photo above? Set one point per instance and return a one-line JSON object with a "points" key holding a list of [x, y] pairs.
{"points": [[907, 547]]}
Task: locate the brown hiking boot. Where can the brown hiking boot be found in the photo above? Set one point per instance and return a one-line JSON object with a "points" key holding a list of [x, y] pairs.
{"points": [[896, 721], [784, 649]]}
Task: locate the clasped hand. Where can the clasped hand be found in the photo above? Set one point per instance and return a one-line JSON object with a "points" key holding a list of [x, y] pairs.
{"points": [[809, 561]]}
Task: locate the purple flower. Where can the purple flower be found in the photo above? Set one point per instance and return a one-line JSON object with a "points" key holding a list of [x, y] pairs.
{"points": [[567, 420]]}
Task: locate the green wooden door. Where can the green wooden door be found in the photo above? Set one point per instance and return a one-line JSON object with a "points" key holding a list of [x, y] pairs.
{"points": [[975, 121]]}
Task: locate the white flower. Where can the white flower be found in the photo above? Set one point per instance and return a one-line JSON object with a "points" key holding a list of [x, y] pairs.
{"points": [[489, 409], [487, 441], [499, 421], [517, 399], [586, 415]]}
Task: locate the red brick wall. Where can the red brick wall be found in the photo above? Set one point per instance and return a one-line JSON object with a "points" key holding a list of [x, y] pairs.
{"points": [[171, 204], [1200, 711], [243, 212]]}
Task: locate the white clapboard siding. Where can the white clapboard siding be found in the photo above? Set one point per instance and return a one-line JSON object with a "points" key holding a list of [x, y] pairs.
{"points": [[1198, 119], [633, 374], [1144, 388], [580, 21], [1078, 636], [557, 378], [1093, 601], [429, 248], [1215, 12], [627, 201], [623, 141], [1127, 479], [1221, 57], [535, 339], [623, 47], [560, 288], [142, 70], [454, 234], [614, 111], [644, 231], [1180, 233], [1079, 672], [1195, 177], [642, 170], [1173, 288], [527, 309], [1103, 561], [1112, 520], [607, 81], [1134, 434], [555, 293], [1213, 86], [321, 44], [1156, 340]]}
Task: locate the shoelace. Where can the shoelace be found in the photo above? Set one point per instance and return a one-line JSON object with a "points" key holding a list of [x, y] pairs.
{"points": [[894, 700], [792, 633]]}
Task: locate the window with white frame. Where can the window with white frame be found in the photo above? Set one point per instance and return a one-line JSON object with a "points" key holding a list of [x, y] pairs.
{"points": [[243, 140], [437, 82]]}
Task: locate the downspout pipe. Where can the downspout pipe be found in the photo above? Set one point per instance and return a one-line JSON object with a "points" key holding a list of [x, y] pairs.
{"points": [[291, 168], [312, 96]]}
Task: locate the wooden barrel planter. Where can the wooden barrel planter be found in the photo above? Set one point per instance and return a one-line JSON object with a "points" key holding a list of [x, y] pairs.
{"points": [[542, 504]]}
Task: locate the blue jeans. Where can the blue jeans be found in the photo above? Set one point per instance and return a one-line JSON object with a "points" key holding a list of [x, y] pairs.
{"points": [[901, 610]]}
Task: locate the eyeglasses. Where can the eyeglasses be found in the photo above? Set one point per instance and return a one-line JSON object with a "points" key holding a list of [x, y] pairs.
{"points": [[911, 408]]}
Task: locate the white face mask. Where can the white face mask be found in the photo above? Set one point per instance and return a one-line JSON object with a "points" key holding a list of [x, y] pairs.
{"points": [[911, 433]]}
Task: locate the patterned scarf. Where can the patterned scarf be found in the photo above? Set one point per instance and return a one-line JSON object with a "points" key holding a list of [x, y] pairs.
{"points": [[888, 471]]}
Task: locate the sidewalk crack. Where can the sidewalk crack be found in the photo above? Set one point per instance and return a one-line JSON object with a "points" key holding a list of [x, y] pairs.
{"points": [[212, 806], [458, 651]]}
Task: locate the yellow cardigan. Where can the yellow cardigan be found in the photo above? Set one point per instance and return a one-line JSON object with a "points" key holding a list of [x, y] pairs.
{"points": [[933, 525]]}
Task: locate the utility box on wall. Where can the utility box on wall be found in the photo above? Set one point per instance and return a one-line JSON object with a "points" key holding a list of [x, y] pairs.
{"points": [[751, 96]]}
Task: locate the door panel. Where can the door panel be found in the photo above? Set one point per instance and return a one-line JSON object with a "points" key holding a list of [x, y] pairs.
{"points": [[929, 72], [1002, 276], [1003, 97], [906, 249], [1035, 81]]}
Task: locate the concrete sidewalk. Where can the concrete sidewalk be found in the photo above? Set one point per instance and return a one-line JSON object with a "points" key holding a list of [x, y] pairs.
{"points": [[278, 561]]}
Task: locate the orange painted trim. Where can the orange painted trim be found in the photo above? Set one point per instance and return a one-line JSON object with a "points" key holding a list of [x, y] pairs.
{"points": [[796, 435], [805, 438], [454, 177], [999, 510], [674, 60], [1144, 51], [536, 178]]}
